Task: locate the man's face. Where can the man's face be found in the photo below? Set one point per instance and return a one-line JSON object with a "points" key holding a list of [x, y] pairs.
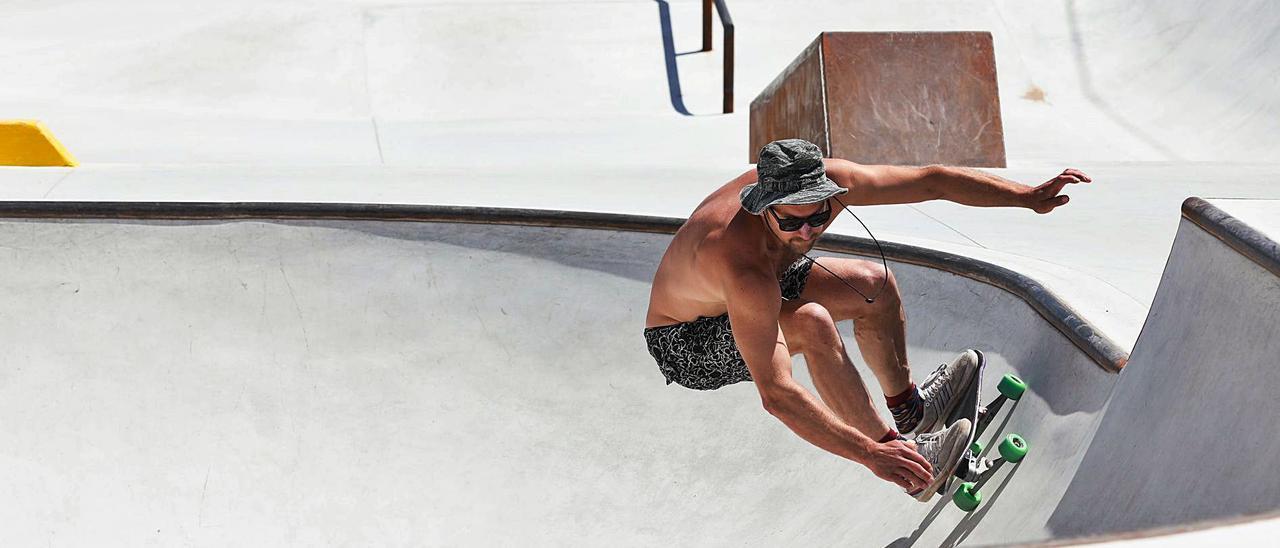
{"points": [[801, 240]]}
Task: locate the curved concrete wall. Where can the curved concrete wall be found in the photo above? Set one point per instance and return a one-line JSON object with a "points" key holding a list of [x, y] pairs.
{"points": [[1190, 433], [393, 383]]}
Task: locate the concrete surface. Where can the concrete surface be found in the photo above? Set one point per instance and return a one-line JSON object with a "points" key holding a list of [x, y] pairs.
{"points": [[1240, 532], [405, 83], [1184, 439], [355, 383], [401, 384], [561, 105], [231, 100]]}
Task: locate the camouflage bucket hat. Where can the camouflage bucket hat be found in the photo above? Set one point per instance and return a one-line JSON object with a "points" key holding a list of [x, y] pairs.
{"points": [[790, 173]]}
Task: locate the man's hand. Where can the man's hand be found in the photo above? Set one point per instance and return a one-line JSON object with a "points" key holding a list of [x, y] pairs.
{"points": [[898, 462], [1045, 198]]}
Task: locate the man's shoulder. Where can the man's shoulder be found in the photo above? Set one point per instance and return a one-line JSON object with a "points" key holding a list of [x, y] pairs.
{"points": [[726, 237], [732, 249]]}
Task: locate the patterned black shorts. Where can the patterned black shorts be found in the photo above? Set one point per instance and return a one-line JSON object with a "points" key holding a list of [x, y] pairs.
{"points": [[701, 354]]}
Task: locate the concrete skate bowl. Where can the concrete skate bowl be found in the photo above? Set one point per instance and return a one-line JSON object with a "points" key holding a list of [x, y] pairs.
{"points": [[1183, 445], [347, 374]]}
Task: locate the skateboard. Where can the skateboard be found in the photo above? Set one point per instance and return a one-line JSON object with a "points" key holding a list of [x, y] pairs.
{"points": [[973, 471]]}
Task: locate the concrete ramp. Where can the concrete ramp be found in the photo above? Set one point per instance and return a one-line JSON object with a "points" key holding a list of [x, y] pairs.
{"points": [[385, 375], [1190, 433], [410, 383]]}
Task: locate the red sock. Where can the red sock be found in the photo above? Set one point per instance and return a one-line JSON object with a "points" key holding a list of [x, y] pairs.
{"points": [[892, 435], [902, 398]]}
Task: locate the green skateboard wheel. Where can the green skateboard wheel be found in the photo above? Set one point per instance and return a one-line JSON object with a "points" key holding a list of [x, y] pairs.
{"points": [[976, 448], [967, 497], [1012, 387], [1013, 448]]}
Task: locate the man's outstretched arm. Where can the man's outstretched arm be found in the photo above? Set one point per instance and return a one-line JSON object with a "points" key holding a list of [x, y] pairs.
{"points": [[978, 188], [877, 184]]}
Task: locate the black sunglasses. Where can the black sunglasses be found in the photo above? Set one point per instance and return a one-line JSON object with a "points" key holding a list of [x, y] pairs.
{"points": [[793, 224]]}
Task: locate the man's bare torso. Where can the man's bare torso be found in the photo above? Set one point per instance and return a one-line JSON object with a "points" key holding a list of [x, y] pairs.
{"points": [[688, 283]]}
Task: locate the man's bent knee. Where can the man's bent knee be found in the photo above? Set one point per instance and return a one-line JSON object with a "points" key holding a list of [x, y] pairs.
{"points": [[809, 324], [813, 315], [888, 302]]}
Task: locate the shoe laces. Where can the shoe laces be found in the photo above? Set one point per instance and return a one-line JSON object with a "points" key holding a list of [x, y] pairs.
{"points": [[929, 444], [936, 387]]}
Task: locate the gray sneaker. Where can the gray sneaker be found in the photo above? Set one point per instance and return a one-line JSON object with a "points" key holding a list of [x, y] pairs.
{"points": [[944, 388], [942, 450]]}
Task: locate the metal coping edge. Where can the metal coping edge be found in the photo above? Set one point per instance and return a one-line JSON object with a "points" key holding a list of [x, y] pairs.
{"points": [[1233, 232]]}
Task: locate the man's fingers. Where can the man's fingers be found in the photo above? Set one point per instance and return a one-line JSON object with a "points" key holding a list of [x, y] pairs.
{"points": [[924, 465], [919, 471], [1047, 194], [1077, 173], [1053, 203], [1051, 188], [920, 483], [1068, 177], [1073, 177]]}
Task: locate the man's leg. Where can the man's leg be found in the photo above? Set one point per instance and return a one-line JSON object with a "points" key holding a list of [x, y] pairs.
{"points": [[809, 329], [880, 328]]}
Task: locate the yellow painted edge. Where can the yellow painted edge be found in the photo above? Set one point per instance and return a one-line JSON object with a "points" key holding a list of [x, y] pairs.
{"points": [[30, 143], [67, 159]]}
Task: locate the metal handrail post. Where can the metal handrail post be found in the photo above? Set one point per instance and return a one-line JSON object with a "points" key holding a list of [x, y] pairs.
{"points": [[728, 68], [706, 25], [726, 21]]}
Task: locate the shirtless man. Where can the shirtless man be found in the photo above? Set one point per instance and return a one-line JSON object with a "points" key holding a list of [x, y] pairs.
{"points": [[739, 260]]}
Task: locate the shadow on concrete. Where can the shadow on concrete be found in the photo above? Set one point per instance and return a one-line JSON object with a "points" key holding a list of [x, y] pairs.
{"points": [[971, 521], [631, 255], [1091, 93], [669, 55], [905, 542]]}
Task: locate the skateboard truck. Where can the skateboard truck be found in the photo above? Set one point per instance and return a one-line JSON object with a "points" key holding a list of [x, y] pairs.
{"points": [[974, 470]]}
